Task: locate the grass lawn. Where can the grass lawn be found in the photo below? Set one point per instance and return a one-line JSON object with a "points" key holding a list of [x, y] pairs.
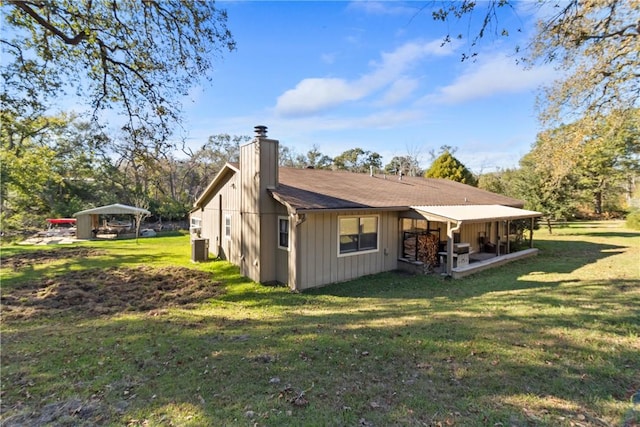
{"points": [[126, 333]]}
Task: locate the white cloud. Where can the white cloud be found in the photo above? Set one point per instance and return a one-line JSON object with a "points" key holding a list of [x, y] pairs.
{"points": [[495, 75], [313, 95], [399, 90]]}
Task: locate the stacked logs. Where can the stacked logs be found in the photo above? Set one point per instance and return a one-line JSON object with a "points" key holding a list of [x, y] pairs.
{"points": [[410, 247], [428, 249]]}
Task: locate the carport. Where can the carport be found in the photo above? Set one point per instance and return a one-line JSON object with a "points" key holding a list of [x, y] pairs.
{"points": [[88, 220]]}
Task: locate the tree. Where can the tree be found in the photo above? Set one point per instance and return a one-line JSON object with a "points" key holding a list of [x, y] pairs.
{"points": [[582, 166], [595, 45], [174, 184], [502, 181], [407, 165], [448, 167], [139, 55], [48, 168], [545, 190], [599, 42], [317, 160], [142, 203], [609, 160], [357, 160]]}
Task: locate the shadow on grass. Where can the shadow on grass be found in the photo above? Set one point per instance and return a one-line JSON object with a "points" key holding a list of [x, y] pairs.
{"points": [[215, 368], [612, 234], [555, 257], [377, 346]]}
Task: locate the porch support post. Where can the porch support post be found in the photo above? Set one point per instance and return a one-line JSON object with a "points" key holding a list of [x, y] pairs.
{"points": [[450, 231], [531, 233], [508, 251]]}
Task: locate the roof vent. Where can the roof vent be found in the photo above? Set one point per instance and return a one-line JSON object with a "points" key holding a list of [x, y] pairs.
{"points": [[260, 130]]}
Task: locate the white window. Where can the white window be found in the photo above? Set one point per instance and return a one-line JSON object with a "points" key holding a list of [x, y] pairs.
{"points": [[283, 232], [196, 225], [227, 226], [357, 234]]}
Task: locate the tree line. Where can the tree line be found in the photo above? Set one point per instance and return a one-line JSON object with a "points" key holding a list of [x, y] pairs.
{"points": [[139, 58], [55, 166]]}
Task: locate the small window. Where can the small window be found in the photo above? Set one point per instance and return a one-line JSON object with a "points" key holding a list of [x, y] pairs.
{"points": [[227, 226], [358, 234], [196, 225], [283, 233]]}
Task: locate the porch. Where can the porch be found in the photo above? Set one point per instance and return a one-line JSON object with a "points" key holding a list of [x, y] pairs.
{"points": [[461, 240]]}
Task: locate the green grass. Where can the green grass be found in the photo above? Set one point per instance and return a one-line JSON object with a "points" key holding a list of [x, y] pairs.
{"points": [[547, 341]]}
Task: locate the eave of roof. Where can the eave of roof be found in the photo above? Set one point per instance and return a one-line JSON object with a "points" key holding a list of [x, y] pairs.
{"points": [[474, 213], [228, 167]]}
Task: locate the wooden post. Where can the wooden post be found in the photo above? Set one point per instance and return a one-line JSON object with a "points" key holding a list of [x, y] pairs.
{"points": [[531, 233]]}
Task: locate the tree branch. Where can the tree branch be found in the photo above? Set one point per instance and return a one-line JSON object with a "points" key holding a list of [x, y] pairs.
{"points": [[24, 6]]}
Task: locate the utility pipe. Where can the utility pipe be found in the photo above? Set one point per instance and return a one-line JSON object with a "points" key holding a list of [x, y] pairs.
{"points": [[450, 232]]}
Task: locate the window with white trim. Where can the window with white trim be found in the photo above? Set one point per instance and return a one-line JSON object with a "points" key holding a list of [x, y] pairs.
{"points": [[283, 232], [196, 225], [357, 234], [227, 226]]}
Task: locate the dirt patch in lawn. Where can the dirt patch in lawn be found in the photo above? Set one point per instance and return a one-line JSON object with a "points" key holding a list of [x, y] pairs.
{"points": [[18, 261], [108, 291], [73, 412]]}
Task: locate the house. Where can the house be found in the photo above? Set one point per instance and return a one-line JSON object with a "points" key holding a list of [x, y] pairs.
{"points": [[308, 227]]}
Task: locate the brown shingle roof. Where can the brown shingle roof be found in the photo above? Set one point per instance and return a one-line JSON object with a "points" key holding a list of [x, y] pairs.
{"points": [[316, 189]]}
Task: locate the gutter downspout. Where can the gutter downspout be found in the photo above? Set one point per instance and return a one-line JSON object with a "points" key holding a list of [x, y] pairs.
{"points": [[450, 232]]}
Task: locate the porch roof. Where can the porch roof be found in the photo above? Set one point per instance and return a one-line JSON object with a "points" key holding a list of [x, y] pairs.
{"points": [[474, 213]]}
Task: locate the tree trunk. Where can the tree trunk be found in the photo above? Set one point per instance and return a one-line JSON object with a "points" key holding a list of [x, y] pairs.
{"points": [[597, 201]]}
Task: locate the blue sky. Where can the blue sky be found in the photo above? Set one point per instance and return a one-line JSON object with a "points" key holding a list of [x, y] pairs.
{"points": [[373, 75]]}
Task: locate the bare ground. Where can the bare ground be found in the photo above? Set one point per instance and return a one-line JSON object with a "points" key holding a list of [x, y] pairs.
{"points": [[97, 292], [21, 260]]}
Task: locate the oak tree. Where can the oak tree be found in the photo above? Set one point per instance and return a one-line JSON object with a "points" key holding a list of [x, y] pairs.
{"points": [[138, 57], [594, 44]]}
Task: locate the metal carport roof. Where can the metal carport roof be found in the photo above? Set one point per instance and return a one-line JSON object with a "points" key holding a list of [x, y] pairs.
{"points": [[116, 209], [474, 213]]}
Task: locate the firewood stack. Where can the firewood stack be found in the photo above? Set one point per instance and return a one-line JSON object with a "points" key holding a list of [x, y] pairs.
{"points": [[410, 248], [428, 249]]}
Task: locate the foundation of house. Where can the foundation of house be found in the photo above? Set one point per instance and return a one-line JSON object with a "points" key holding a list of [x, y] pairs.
{"points": [[478, 261], [482, 264]]}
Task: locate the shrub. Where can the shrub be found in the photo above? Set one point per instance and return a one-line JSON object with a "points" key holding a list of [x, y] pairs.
{"points": [[633, 220]]}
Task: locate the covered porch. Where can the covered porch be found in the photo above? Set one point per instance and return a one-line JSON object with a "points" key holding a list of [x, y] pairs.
{"points": [[471, 238]]}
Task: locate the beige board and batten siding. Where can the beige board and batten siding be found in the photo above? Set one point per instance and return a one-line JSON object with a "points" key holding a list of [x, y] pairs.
{"points": [[227, 196], [319, 262], [258, 238], [470, 234]]}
